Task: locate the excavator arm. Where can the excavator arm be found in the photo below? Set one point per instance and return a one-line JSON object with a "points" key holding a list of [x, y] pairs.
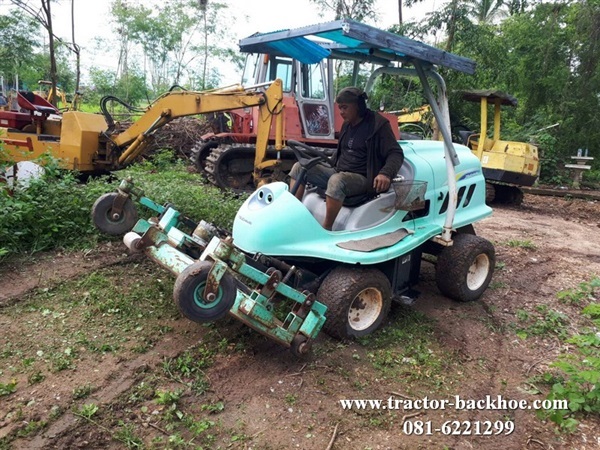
{"points": [[133, 141]]}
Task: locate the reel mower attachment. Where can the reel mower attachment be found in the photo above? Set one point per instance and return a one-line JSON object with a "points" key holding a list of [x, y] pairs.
{"points": [[214, 277]]}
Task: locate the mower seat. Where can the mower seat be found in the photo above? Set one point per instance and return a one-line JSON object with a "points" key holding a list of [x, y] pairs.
{"points": [[351, 201]]}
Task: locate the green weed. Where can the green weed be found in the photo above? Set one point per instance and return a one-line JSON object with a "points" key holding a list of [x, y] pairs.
{"points": [[83, 391], [88, 411], [583, 292], [544, 321], [8, 388], [527, 244]]}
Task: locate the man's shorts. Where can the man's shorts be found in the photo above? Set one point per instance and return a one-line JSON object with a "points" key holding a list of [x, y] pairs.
{"points": [[338, 185]]}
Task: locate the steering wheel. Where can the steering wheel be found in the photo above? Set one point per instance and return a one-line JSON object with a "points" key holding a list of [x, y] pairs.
{"points": [[308, 156]]}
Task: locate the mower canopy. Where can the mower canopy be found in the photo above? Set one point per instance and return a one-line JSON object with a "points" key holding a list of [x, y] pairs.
{"points": [[350, 40]]}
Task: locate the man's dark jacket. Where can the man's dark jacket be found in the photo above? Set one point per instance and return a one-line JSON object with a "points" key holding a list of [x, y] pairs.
{"points": [[385, 156]]}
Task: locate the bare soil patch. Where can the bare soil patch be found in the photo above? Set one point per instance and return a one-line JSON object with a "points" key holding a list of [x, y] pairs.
{"points": [[111, 338]]}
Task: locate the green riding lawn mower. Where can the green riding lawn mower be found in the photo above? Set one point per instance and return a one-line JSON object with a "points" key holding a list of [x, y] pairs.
{"points": [[282, 274]]}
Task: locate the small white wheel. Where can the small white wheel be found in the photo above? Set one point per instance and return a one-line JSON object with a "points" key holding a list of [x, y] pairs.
{"points": [[131, 240]]}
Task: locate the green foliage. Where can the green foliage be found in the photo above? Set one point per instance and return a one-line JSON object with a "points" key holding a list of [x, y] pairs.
{"points": [[129, 87], [54, 211], [88, 411], [526, 244], [585, 291], [8, 388], [19, 35], [168, 397], [579, 382], [542, 322]]}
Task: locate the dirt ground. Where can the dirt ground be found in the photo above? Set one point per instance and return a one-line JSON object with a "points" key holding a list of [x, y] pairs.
{"points": [[93, 354]]}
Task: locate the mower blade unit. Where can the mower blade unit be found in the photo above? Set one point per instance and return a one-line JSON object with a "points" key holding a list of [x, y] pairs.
{"points": [[256, 292]]}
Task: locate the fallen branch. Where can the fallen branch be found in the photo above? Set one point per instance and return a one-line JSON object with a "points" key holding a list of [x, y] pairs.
{"points": [[535, 441], [408, 416], [156, 427], [330, 446], [401, 395]]}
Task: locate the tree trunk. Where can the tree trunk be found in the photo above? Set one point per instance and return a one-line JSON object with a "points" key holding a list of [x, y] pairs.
{"points": [[76, 49], [400, 12], [451, 27], [53, 76]]}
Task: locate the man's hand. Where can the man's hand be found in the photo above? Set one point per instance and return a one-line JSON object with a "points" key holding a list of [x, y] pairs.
{"points": [[381, 183]]}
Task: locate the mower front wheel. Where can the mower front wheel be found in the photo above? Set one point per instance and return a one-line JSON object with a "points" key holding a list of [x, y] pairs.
{"points": [[464, 270], [358, 301], [188, 294], [110, 223]]}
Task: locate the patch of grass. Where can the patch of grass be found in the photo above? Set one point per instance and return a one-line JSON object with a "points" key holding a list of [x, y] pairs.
{"points": [[575, 379], [388, 351], [188, 368], [126, 434], [168, 397], [8, 388], [31, 427], [582, 293], [291, 399], [83, 391], [88, 411], [526, 244], [497, 285], [36, 377], [543, 322]]}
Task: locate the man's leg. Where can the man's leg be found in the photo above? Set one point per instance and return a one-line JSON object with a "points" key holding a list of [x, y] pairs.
{"points": [[340, 186], [332, 209], [317, 176]]}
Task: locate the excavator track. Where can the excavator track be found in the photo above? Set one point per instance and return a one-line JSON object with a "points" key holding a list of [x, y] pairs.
{"points": [[232, 166], [200, 152]]}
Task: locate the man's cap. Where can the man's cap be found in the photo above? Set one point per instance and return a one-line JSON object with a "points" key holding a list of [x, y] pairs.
{"points": [[350, 95]]}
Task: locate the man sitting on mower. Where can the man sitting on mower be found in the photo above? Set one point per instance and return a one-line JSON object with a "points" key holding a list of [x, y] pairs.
{"points": [[368, 156]]}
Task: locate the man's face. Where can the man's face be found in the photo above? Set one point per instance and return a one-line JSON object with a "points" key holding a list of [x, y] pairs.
{"points": [[348, 111]]}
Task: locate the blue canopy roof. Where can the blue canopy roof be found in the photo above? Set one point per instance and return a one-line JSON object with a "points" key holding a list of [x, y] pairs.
{"points": [[348, 39]]}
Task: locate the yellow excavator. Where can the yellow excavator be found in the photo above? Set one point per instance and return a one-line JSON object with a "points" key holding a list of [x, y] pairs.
{"points": [[95, 143], [507, 165]]}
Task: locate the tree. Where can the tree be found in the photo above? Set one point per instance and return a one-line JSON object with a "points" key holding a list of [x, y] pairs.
{"points": [[178, 39], [42, 15], [20, 37], [486, 11], [348, 9]]}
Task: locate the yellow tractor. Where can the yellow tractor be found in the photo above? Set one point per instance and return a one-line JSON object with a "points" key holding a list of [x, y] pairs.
{"points": [[506, 164], [94, 143]]}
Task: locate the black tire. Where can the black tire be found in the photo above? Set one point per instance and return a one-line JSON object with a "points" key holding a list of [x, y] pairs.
{"points": [[300, 346], [464, 270], [342, 289], [104, 220], [189, 289]]}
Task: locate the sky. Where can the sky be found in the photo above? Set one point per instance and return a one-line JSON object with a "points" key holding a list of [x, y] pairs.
{"points": [[93, 20]]}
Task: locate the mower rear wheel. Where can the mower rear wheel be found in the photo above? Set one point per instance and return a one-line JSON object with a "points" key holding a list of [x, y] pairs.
{"points": [[464, 270], [188, 294], [107, 222], [300, 346], [358, 301]]}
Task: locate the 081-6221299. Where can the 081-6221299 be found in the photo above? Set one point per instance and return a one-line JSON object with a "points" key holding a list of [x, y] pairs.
{"points": [[459, 428]]}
